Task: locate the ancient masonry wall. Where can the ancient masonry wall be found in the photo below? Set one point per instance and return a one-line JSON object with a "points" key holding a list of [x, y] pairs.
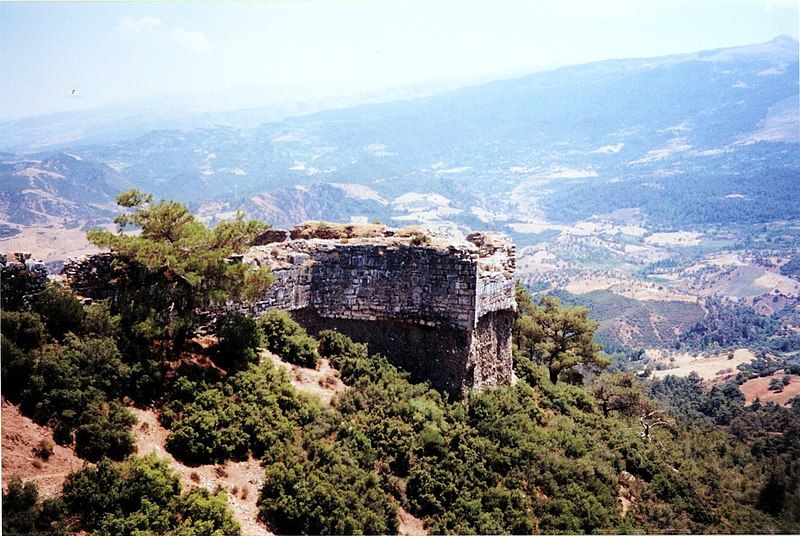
{"points": [[442, 311], [21, 278]]}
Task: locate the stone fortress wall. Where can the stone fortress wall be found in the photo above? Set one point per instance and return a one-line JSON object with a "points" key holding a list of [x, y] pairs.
{"points": [[440, 308], [21, 278]]}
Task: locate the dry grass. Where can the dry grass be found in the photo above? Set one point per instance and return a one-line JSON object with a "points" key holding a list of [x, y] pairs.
{"points": [[715, 367], [322, 382], [327, 230]]}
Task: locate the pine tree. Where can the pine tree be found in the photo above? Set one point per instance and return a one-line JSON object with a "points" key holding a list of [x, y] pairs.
{"points": [[189, 264]]}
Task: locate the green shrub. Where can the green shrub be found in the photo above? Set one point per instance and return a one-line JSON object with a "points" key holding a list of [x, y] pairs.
{"points": [[99, 322], [420, 239], [239, 338], [25, 515], [143, 496], [60, 310], [70, 385], [16, 365], [105, 430], [26, 330], [44, 449], [286, 338], [331, 495], [207, 431], [254, 410]]}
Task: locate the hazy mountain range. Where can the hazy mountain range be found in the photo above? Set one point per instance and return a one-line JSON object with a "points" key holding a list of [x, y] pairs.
{"points": [[689, 139]]}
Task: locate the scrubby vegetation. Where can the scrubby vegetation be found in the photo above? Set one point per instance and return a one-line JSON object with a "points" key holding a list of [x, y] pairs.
{"points": [[138, 496], [571, 447], [214, 419], [536, 457], [791, 268], [62, 364], [631, 323], [24, 514], [286, 338], [727, 325]]}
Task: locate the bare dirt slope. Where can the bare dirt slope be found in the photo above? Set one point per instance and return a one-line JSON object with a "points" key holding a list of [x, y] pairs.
{"points": [[20, 437], [323, 381], [759, 388], [241, 480]]}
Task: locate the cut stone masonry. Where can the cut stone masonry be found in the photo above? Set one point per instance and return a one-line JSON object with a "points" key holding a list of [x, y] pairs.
{"points": [[440, 308], [443, 311], [21, 279]]}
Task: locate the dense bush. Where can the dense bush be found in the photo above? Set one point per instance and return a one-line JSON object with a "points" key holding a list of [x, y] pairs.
{"points": [[25, 515], [105, 430], [255, 410], [143, 496], [326, 493], [72, 386], [728, 325], [60, 310], [22, 332], [286, 338], [535, 457], [688, 397], [239, 338], [63, 365]]}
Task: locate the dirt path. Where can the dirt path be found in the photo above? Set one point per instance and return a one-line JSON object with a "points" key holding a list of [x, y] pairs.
{"points": [[20, 436], [323, 382], [241, 480]]}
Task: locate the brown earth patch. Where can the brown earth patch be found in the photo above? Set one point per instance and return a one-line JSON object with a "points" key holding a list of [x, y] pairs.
{"points": [[759, 388], [410, 525], [20, 437], [242, 481], [323, 382]]}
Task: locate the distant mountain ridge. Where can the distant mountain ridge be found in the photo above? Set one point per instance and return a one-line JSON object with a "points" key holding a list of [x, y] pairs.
{"points": [[707, 135]]}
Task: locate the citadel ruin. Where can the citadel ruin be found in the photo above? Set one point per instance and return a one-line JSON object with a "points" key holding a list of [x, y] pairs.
{"points": [[440, 308]]}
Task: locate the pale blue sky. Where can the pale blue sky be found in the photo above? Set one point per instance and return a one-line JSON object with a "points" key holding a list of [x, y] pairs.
{"points": [[120, 51]]}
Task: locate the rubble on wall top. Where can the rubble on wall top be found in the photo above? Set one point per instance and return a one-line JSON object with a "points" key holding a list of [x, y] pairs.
{"points": [[277, 244]]}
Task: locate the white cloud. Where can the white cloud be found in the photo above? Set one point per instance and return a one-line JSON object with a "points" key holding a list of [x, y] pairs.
{"points": [[130, 27]]}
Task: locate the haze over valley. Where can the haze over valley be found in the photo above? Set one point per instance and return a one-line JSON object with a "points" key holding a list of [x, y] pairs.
{"points": [[607, 175], [400, 267]]}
